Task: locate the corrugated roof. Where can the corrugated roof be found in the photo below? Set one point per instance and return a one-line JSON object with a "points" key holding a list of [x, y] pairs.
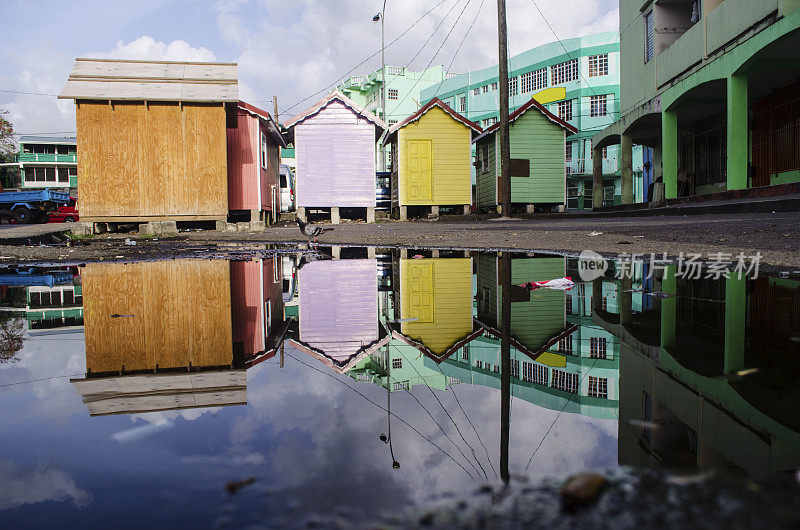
{"points": [[520, 111], [321, 104], [435, 102], [47, 140], [117, 79]]}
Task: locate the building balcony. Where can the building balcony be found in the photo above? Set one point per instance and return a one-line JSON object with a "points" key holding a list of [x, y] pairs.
{"points": [[47, 157], [584, 166], [680, 44]]}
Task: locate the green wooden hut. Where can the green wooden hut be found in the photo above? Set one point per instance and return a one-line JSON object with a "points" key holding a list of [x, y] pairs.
{"points": [[538, 168]]}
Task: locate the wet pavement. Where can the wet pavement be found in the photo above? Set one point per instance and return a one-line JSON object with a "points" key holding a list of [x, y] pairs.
{"points": [[354, 387]]}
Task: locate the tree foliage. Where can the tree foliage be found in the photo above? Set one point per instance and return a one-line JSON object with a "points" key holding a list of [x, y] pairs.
{"points": [[8, 148]]}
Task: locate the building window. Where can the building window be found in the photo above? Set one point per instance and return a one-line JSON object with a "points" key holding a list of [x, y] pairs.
{"points": [[400, 385], [565, 110], [392, 122], [496, 368], [598, 65], [565, 381], [541, 374], [515, 368], [393, 93], [476, 91], [598, 106], [513, 86], [604, 304], [568, 151], [462, 103], [465, 353], [564, 72], [565, 345], [494, 85], [605, 153], [63, 174], [568, 304], [598, 347], [478, 364], [397, 363], [485, 88], [649, 40], [598, 387], [50, 174], [453, 380], [535, 80]]}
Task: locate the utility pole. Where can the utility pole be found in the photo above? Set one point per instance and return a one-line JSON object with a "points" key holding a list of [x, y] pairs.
{"points": [[505, 363], [505, 149], [275, 108], [383, 85]]}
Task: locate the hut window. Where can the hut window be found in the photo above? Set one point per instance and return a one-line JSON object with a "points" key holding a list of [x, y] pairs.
{"points": [[520, 167], [263, 150], [484, 158], [393, 93]]}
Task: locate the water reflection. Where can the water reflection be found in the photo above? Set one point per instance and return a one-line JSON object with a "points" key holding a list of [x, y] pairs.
{"points": [[443, 354]]}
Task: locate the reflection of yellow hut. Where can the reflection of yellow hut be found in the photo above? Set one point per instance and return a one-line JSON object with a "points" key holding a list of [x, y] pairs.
{"points": [[143, 319], [436, 301]]}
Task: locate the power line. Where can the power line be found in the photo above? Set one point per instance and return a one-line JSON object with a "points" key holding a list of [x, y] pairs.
{"points": [[385, 410], [365, 60], [469, 29]]}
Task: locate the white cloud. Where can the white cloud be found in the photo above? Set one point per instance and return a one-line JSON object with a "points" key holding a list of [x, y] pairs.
{"points": [[147, 48], [40, 485]]}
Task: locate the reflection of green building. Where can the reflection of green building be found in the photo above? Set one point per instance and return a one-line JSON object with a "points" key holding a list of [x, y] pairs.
{"points": [[45, 299], [683, 372]]}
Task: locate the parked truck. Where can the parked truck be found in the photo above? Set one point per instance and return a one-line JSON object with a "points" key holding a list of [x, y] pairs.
{"points": [[31, 206]]}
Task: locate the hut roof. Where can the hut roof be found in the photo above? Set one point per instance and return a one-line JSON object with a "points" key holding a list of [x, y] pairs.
{"points": [[265, 116], [435, 102], [324, 102], [522, 110], [121, 79]]}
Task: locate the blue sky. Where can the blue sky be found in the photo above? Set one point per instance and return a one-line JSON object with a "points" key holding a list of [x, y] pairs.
{"points": [[289, 49]]}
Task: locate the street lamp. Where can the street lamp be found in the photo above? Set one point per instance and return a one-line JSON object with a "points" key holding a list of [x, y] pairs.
{"points": [[379, 18]]}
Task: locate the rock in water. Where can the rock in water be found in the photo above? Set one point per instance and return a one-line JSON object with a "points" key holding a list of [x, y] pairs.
{"points": [[582, 488]]}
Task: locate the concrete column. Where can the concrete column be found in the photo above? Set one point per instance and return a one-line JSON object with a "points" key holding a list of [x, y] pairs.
{"points": [[597, 181], [530, 208], [669, 307], [335, 219], [466, 209], [336, 252], [435, 253], [404, 213], [626, 156], [735, 322], [435, 210], [658, 170], [669, 152], [301, 213], [370, 252], [370, 215], [256, 215], [737, 132], [403, 253]]}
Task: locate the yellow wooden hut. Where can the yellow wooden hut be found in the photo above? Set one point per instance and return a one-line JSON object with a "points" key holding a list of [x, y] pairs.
{"points": [[431, 159]]}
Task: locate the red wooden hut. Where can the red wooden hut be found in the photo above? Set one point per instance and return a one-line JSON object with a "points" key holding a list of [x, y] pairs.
{"points": [[253, 160]]}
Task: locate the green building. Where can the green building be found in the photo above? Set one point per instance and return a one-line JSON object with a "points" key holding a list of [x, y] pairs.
{"points": [[48, 162], [712, 87], [577, 80]]}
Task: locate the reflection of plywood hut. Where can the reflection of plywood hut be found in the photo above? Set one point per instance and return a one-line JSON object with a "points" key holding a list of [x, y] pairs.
{"points": [[151, 138], [435, 301], [339, 311], [257, 308], [148, 318]]}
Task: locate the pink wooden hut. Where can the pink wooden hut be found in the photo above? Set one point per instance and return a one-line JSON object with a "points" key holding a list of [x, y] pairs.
{"points": [[253, 160], [339, 311], [257, 310], [334, 145]]}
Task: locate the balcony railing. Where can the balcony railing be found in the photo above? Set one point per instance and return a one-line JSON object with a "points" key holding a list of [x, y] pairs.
{"points": [[47, 157]]}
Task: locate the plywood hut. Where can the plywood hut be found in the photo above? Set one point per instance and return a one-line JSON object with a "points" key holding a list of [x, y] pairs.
{"points": [[431, 159], [538, 170], [152, 138], [253, 161], [334, 145]]}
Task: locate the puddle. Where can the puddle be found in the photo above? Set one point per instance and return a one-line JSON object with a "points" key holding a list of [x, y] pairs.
{"points": [[358, 383]]}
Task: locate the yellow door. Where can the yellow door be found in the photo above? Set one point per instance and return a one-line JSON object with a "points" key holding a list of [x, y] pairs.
{"points": [[420, 166], [420, 291]]}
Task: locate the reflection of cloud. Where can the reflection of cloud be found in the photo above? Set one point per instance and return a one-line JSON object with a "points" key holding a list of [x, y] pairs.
{"points": [[167, 416], [250, 459], [40, 485], [140, 432]]}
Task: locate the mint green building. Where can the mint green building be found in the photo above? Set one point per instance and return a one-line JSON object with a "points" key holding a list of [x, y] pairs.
{"points": [[48, 162], [578, 80], [712, 87]]}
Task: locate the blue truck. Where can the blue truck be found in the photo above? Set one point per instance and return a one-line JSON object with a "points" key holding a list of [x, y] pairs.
{"points": [[31, 206]]}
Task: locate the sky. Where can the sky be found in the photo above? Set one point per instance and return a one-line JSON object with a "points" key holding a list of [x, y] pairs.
{"points": [[295, 50]]}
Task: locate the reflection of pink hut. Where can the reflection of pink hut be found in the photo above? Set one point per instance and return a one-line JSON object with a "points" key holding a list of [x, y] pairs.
{"points": [[334, 145], [257, 308], [339, 311]]}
